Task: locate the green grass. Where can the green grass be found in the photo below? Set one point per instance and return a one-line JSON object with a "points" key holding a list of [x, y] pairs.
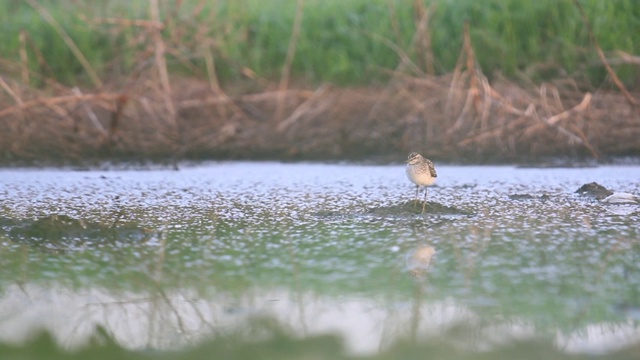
{"points": [[340, 41]]}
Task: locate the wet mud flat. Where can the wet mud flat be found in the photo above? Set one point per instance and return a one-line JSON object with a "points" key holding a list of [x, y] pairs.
{"points": [[416, 207], [60, 231]]}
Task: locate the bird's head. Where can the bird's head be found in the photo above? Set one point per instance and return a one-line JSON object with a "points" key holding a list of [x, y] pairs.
{"points": [[413, 158]]}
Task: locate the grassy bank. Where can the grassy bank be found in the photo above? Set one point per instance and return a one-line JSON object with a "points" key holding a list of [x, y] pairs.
{"points": [[466, 81], [347, 43]]}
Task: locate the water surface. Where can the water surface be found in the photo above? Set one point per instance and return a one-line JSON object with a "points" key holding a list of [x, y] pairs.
{"points": [[163, 259]]}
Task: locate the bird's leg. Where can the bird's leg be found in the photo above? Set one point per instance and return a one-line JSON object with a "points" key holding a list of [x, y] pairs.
{"points": [[415, 200], [424, 203]]}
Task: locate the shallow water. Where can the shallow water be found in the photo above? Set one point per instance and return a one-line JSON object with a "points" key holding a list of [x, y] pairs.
{"points": [[321, 248]]}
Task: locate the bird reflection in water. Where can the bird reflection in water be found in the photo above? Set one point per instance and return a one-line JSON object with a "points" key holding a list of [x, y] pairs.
{"points": [[420, 260]]}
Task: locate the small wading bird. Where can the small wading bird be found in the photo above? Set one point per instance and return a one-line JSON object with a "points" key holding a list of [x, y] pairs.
{"points": [[421, 172]]}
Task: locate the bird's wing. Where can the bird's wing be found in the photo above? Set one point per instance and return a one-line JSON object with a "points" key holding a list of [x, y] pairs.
{"points": [[432, 169]]}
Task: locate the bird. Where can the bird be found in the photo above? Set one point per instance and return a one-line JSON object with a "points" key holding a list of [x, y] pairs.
{"points": [[421, 172]]}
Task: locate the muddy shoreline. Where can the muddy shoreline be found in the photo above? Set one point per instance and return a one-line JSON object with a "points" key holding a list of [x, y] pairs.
{"points": [[98, 164]]}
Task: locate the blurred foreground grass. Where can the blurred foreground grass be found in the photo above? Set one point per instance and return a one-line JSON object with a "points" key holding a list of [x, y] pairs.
{"points": [[267, 340]]}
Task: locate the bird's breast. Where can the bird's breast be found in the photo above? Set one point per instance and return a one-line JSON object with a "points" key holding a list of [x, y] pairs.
{"points": [[420, 176]]}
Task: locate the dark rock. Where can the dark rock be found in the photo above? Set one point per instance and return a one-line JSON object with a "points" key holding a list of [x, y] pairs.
{"points": [[594, 190]]}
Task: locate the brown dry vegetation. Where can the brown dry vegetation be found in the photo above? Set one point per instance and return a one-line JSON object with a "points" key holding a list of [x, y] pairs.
{"points": [[444, 117], [458, 117]]}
